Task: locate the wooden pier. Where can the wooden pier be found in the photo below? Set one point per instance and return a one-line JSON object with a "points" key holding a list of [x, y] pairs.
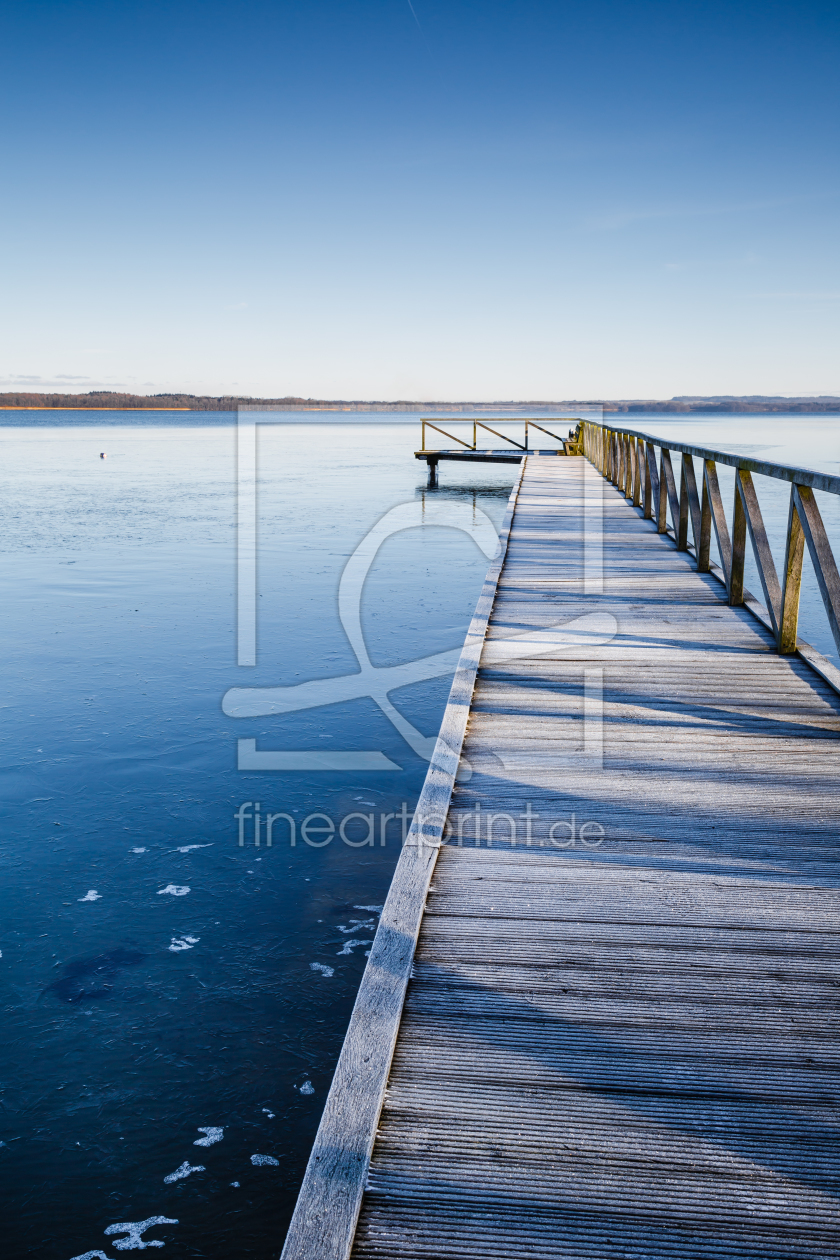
{"points": [[599, 1016]]}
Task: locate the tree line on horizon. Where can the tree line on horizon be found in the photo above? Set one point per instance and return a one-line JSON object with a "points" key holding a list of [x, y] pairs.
{"points": [[108, 400]]}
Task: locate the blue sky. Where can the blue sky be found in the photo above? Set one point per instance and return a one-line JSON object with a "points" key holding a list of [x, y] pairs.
{"points": [[455, 200]]}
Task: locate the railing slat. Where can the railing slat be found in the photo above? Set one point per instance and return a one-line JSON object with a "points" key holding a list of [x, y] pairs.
{"points": [[821, 556], [711, 487], [763, 555], [688, 490], [667, 477]]}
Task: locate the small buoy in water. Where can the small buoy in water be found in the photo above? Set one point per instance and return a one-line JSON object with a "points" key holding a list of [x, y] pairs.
{"points": [[102, 455]]}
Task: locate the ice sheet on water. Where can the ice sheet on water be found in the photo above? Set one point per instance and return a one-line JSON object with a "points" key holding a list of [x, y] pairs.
{"points": [[324, 970], [174, 890], [90, 895], [265, 1160]]}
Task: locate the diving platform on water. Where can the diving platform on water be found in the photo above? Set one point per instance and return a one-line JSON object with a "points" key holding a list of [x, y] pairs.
{"points": [[599, 1017], [466, 453]]}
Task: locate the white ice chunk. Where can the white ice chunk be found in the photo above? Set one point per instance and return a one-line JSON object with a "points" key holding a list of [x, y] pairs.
{"points": [[349, 946], [307, 1088], [213, 1135], [134, 1229], [90, 895], [261, 1160], [183, 1171], [324, 970], [174, 890]]}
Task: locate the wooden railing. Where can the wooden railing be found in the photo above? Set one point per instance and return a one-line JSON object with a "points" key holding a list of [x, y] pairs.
{"points": [[567, 443], [628, 459]]}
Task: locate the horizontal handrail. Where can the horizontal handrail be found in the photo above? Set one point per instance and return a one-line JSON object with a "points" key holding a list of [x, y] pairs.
{"points": [[783, 472], [627, 458], [567, 443]]}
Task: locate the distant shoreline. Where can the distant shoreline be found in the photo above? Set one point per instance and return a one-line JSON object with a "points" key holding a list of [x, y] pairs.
{"points": [[104, 400]]}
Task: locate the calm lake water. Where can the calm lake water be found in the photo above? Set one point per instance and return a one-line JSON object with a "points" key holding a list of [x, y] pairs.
{"points": [[143, 1035]]}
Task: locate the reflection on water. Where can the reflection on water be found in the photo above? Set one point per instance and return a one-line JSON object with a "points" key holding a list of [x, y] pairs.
{"points": [[165, 988]]}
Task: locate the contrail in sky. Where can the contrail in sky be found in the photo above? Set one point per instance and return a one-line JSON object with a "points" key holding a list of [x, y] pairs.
{"points": [[419, 27]]}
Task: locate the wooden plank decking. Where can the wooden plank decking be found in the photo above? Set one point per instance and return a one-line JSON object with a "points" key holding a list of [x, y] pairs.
{"points": [[615, 1049]]}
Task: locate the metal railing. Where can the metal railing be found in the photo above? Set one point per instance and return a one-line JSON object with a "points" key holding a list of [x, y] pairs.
{"points": [[627, 458], [568, 443]]}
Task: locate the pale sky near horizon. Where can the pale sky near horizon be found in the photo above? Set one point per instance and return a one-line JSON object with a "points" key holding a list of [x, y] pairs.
{"points": [[520, 200]]}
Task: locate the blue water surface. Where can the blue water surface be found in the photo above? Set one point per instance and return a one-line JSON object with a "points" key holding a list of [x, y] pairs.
{"points": [[133, 1015]]}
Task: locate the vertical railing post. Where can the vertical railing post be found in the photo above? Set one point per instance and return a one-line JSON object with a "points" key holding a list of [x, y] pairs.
{"points": [[652, 481], [705, 544], [637, 481], [739, 547], [791, 581], [682, 529]]}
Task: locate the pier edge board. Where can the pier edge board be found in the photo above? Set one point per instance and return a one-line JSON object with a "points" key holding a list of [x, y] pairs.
{"points": [[323, 1225]]}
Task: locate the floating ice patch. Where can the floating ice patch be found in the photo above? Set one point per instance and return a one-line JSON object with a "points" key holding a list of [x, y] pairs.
{"points": [[324, 970], [358, 924], [134, 1229], [307, 1088], [138, 850], [265, 1160], [213, 1135], [268, 1113], [184, 1171], [90, 895], [370, 909], [349, 946], [186, 848], [183, 942], [174, 890], [92, 1255], [235, 1183]]}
